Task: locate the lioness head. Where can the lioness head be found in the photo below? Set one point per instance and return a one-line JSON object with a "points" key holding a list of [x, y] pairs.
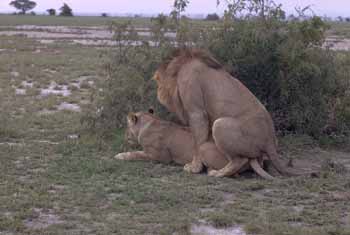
{"points": [[135, 123]]}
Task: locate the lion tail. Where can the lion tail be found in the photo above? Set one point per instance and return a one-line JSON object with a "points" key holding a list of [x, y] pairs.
{"points": [[260, 171]]}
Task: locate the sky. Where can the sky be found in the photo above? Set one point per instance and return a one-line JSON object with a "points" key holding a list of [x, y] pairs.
{"points": [[331, 8]]}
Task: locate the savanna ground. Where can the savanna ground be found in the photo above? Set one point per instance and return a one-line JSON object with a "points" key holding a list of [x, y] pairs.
{"points": [[57, 179]]}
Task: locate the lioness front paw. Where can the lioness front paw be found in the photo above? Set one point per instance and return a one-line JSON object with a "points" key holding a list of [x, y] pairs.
{"points": [[213, 173], [121, 156], [216, 173], [193, 167]]}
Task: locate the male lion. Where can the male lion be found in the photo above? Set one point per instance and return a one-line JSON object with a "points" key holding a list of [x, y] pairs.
{"points": [[216, 105], [167, 142]]}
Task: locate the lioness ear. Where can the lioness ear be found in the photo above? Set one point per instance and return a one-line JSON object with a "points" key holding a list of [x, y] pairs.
{"points": [[156, 76], [132, 118], [151, 110]]}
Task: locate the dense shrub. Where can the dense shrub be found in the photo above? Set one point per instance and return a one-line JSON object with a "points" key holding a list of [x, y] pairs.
{"points": [[283, 64], [302, 84], [128, 86], [213, 16]]}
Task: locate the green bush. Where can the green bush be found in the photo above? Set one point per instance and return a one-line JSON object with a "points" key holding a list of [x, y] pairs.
{"points": [[128, 86], [303, 85], [284, 65]]}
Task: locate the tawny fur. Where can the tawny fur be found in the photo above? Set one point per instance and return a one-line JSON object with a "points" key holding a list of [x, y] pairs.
{"points": [[167, 142], [216, 105]]}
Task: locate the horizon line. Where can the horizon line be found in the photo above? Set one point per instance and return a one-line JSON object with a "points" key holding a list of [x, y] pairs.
{"points": [[128, 14]]}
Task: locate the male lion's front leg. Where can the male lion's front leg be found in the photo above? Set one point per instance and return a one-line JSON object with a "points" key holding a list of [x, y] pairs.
{"points": [[196, 166], [138, 155], [199, 128]]}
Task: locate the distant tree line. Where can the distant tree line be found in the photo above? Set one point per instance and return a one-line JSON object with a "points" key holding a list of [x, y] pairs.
{"points": [[342, 19], [179, 7], [26, 5], [212, 17]]}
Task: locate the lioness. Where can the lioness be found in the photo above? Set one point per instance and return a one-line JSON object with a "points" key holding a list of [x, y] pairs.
{"points": [[167, 142], [215, 105]]}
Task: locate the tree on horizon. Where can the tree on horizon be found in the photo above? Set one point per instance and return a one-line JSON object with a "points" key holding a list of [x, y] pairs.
{"points": [[179, 7], [66, 10], [51, 11], [23, 5]]}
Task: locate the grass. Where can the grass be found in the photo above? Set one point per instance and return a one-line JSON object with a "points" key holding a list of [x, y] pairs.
{"points": [[12, 20], [341, 29], [44, 20], [83, 190]]}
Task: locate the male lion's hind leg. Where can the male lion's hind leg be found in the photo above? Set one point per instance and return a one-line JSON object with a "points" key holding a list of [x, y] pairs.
{"points": [[232, 168], [238, 141], [137, 155]]}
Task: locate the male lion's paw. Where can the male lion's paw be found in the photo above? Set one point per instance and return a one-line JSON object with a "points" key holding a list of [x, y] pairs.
{"points": [[187, 167], [121, 156], [193, 167]]}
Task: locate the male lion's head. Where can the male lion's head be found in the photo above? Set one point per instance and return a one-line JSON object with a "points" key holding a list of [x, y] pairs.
{"points": [[168, 72]]}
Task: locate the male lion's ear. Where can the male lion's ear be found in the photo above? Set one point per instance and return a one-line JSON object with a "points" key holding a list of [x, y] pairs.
{"points": [[132, 118], [151, 110]]}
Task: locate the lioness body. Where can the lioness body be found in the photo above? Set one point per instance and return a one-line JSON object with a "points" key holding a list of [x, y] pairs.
{"points": [[167, 142], [162, 141], [215, 105]]}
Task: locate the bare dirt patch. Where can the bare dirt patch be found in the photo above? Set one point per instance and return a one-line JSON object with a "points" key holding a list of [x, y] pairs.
{"points": [[45, 142], [55, 188], [102, 36], [29, 84], [43, 219], [79, 83], [51, 71], [20, 91], [338, 43], [14, 74], [47, 41], [55, 89], [69, 106], [12, 144], [46, 112], [203, 229]]}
